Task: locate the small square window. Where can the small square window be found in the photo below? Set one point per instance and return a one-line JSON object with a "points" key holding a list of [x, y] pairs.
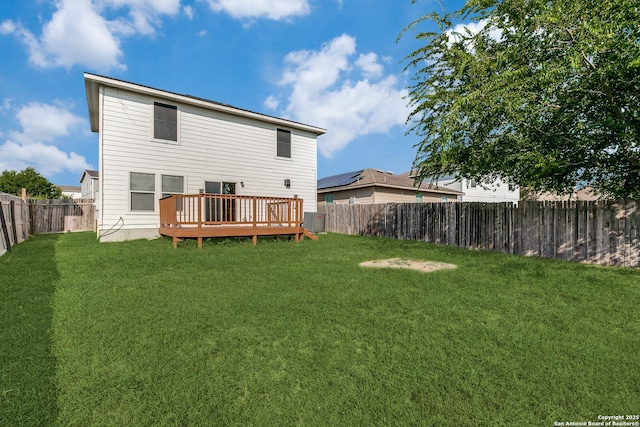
{"points": [[328, 198], [284, 143]]}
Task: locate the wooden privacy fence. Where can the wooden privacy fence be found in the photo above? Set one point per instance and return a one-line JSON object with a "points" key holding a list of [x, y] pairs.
{"points": [[596, 232], [19, 218], [61, 215], [14, 221]]}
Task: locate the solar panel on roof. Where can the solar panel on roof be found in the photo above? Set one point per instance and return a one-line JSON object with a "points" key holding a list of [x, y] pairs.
{"points": [[339, 180]]}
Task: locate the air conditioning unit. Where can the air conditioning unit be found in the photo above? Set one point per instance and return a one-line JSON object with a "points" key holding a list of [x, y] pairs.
{"points": [[314, 221]]}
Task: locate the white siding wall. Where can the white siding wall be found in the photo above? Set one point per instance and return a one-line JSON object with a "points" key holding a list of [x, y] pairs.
{"points": [[367, 195], [212, 146], [497, 191], [89, 187]]}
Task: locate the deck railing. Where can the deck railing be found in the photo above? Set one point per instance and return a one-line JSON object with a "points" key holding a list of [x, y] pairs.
{"points": [[209, 213]]}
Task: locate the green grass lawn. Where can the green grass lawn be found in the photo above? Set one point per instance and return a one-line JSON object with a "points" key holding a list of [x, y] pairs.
{"points": [[285, 333]]}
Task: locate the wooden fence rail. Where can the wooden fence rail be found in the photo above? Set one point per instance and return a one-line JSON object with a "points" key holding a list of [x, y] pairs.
{"points": [[596, 232]]}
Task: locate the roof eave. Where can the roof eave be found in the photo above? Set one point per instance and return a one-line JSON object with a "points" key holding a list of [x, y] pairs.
{"points": [[92, 89]]}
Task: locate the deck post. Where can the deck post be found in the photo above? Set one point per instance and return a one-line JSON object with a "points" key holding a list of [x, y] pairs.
{"points": [[200, 211], [255, 220], [255, 212]]}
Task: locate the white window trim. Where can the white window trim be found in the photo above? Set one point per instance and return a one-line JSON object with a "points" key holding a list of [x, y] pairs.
{"points": [[178, 119]]}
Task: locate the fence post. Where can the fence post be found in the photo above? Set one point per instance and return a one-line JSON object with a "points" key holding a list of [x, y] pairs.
{"points": [[5, 232], [12, 211]]}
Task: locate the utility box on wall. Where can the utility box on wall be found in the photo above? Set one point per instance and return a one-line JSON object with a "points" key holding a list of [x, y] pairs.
{"points": [[314, 222]]}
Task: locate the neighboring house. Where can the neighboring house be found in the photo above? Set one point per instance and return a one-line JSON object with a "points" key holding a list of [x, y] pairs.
{"points": [[370, 186], [89, 184], [584, 194], [491, 192], [71, 191], [154, 143]]}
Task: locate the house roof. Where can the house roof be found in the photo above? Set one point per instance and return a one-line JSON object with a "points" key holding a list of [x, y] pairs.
{"points": [[93, 82], [90, 173], [70, 188], [339, 180], [377, 178], [584, 194]]}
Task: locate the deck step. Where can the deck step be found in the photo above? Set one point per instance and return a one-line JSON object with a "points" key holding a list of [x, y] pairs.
{"points": [[310, 234]]}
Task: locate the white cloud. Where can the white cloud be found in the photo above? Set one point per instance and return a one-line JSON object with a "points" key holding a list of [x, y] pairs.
{"points": [[46, 159], [270, 9], [78, 33], [44, 122], [202, 33], [188, 11], [324, 94], [271, 103], [41, 125], [36, 56], [369, 64], [155, 7], [6, 104], [144, 15], [472, 28]]}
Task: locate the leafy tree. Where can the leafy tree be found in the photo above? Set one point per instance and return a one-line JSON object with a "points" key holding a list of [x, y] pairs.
{"points": [[37, 186], [546, 93]]}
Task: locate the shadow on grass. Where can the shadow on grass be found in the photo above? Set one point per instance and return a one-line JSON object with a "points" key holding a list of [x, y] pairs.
{"points": [[27, 363]]}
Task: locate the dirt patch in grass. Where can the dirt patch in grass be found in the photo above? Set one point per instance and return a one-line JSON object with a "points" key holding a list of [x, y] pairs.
{"points": [[423, 266]]}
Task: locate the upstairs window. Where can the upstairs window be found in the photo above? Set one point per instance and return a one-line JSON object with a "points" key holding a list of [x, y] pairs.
{"points": [[284, 143], [165, 122]]}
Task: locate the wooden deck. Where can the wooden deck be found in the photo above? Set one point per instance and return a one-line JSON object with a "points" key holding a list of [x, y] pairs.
{"points": [[199, 216]]}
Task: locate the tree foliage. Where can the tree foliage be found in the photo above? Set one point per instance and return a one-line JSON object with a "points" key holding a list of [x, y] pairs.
{"points": [[37, 186], [546, 94]]}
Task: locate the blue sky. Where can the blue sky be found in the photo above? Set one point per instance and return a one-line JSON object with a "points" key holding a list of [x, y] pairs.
{"points": [[328, 63]]}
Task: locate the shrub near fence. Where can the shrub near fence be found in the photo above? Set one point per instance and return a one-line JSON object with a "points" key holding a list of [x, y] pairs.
{"points": [[595, 232], [14, 221]]}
